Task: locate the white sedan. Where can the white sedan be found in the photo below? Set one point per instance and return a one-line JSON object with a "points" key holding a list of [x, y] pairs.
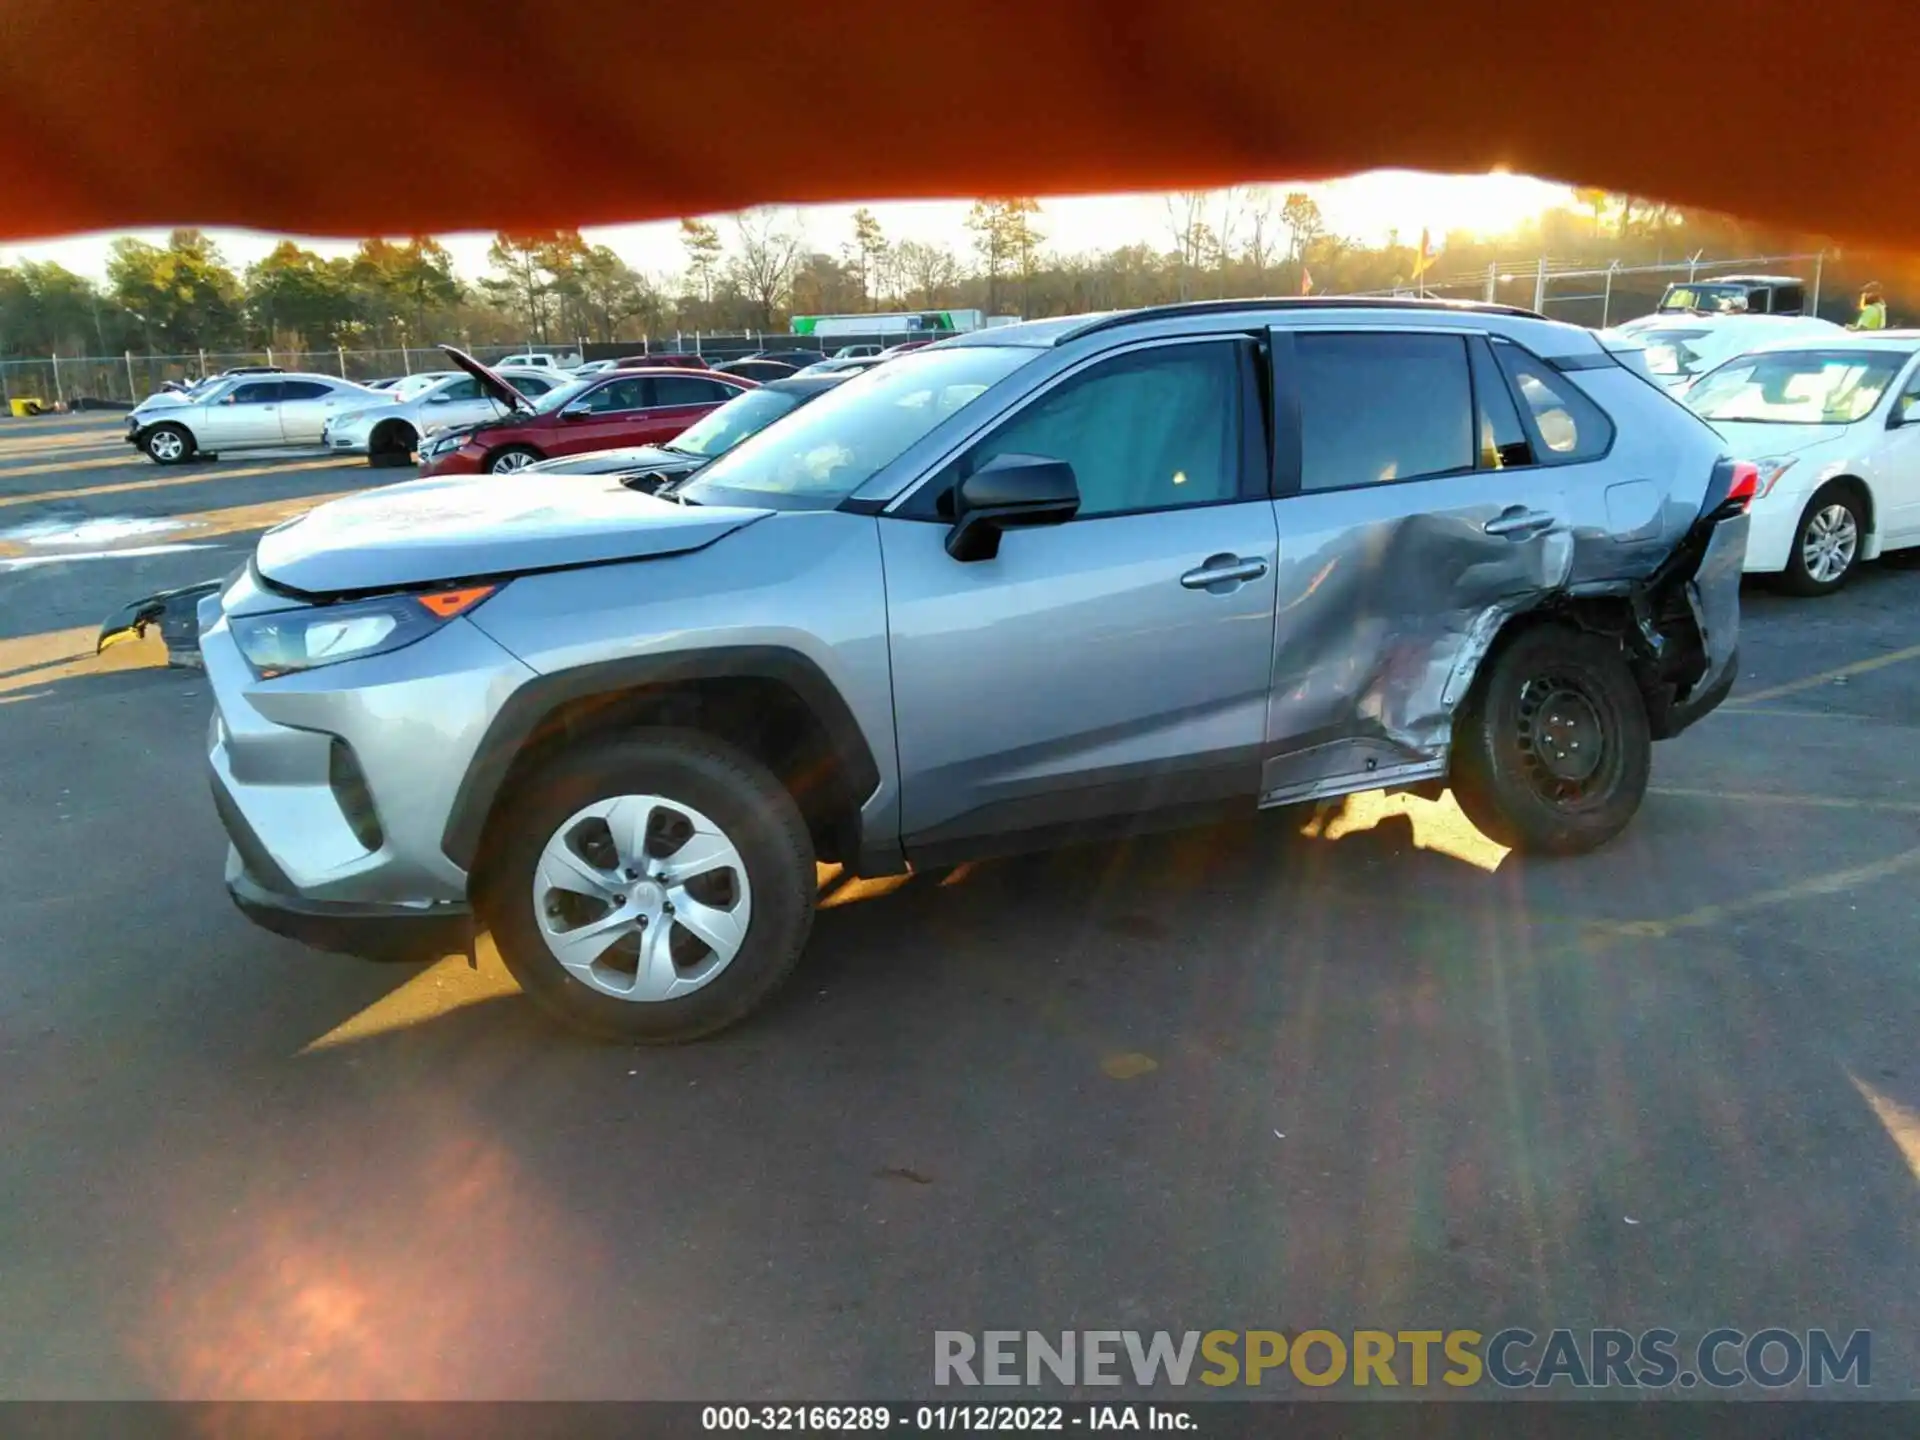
{"points": [[1835, 431], [391, 428], [243, 412], [1679, 349]]}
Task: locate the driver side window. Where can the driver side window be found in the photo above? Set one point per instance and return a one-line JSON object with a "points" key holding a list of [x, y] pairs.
{"points": [[620, 395], [1906, 409], [1146, 431]]}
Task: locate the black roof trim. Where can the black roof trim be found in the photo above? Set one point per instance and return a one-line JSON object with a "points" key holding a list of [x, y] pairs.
{"points": [[1301, 302]]}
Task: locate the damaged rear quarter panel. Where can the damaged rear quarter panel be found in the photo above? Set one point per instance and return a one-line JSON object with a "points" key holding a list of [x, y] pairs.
{"points": [[1388, 596], [1391, 596]]}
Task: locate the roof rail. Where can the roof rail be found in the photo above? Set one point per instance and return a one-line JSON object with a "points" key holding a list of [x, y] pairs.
{"points": [[1294, 302]]}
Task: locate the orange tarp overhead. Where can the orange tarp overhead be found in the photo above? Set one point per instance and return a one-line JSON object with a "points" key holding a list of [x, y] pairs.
{"points": [[351, 117]]}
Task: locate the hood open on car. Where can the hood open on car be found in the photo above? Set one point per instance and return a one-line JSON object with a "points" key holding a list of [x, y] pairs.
{"points": [[425, 531], [490, 380]]}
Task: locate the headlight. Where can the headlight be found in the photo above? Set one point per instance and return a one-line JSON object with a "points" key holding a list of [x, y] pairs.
{"points": [[1770, 471], [285, 641]]}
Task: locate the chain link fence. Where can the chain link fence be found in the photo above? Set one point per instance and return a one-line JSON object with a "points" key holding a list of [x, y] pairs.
{"points": [[116, 381], [1601, 296]]}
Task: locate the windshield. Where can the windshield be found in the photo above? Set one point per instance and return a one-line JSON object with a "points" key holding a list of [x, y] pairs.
{"points": [[1723, 299], [413, 385], [1670, 352], [208, 389], [560, 395], [1824, 387], [720, 430], [842, 440]]}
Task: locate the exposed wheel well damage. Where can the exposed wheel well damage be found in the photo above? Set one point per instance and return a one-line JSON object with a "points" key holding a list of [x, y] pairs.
{"points": [[392, 435], [809, 742]]}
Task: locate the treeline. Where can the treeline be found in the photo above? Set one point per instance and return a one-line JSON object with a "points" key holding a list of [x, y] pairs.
{"points": [[754, 270]]}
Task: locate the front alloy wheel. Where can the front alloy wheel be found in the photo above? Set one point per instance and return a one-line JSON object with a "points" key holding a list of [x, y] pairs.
{"points": [[642, 898], [1827, 548], [168, 444], [508, 461], [651, 887]]}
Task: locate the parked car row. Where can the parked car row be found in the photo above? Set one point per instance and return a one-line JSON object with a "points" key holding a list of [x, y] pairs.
{"points": [[243, 411]]}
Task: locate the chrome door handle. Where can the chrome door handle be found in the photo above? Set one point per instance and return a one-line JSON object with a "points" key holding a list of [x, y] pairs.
{"points": [[1221, 570], [1520, 522]]}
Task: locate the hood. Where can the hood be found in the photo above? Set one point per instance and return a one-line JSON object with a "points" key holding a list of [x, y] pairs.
{"points": [[490, 380], [634, 460], [1757, 442], [425, 531]]}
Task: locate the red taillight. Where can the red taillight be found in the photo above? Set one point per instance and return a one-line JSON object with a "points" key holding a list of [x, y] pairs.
{"points": [[1746, 484]]}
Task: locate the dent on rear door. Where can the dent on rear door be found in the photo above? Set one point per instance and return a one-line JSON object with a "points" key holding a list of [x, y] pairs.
{"points": [[1388, 596]]}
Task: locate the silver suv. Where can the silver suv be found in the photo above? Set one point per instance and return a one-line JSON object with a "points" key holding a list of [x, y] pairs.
{"points": [[1043, 582]]}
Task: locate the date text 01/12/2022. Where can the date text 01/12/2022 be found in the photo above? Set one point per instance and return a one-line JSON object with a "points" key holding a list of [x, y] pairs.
{"points": [[804, 1419]]}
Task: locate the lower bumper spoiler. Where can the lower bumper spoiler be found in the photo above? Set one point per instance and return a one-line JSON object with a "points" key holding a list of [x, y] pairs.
{"points": [[391, 933], [174, 612]]}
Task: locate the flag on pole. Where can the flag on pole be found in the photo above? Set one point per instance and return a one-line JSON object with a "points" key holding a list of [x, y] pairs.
{"points": [[1306, 281], [1423, 262]]}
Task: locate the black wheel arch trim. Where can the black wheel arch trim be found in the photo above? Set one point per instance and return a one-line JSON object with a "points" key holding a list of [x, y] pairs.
{"points": [[520, 718]]}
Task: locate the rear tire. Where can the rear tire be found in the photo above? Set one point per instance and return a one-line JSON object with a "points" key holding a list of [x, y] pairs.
{"points": [[1552, 751], [727, 800], [168, 444], [1826, 543], [514, 457]]}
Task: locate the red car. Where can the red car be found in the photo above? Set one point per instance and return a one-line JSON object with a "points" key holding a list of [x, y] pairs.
{"points": [[611, 409]]}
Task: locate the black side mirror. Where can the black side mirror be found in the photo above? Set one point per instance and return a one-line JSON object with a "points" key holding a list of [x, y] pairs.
{"points": [[1009, 490]]}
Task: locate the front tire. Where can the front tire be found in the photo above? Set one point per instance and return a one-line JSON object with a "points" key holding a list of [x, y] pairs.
{"points": [[1553, 750], [514, 457], [654, 888], [391, 446], [168, 444], [1826, 544]]}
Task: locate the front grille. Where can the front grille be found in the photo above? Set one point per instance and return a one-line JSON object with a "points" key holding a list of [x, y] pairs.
{"points": [[350, 793]]}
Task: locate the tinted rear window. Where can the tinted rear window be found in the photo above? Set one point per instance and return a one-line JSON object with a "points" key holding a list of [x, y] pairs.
{"points": [[1382, 407]]}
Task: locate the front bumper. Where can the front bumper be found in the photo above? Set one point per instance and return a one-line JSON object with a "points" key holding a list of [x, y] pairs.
{"points": [[334, 785], [1775, 521], [370, 932], [461, 460]]}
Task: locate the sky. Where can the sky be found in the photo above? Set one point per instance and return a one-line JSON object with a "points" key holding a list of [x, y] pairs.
{"points": [[1364, 207]]}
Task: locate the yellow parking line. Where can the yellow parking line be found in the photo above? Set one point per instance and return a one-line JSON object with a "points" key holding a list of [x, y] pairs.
{"points": [[130, 457], [198, 477], [1761, 797], [1827, 677], [18, 450], [1833, 882]]}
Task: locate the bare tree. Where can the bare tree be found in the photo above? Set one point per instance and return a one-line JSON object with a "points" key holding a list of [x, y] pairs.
{"points": [[1257, 208], [1187, 220], [1301, 216], [925, 274], [1232, 208], [769, 250]]}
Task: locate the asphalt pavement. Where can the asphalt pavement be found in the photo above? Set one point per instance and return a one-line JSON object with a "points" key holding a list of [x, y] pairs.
{"points": [[1355, 1068]]}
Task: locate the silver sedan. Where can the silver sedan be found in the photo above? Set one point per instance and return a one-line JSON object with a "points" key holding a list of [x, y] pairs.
{"points": [[390, 429], [244, 412]]}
